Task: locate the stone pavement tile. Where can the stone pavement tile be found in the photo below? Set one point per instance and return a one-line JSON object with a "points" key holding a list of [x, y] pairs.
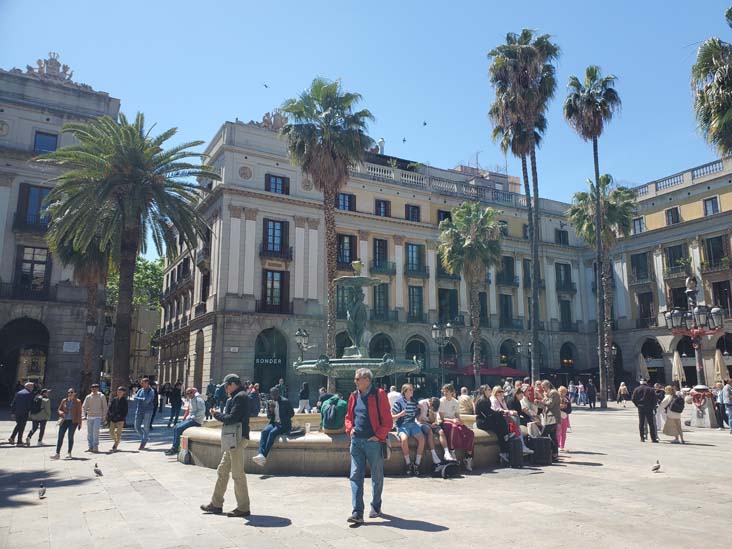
{"points": [[375, 532], [360, 543], [329, 531], [22, 542]]}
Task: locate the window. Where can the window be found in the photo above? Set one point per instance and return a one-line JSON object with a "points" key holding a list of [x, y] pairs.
{"points": [[276, 184], [503, 227], [275, 235], [273, 287], [447, 303], [381, 254], [45, 142], [382, 208], [678, 298], [507, 266], [714, 250], [346, 249], [415, 302], [673, 254], [205, 285], [33, 269], [346, 202], [483, 299], [645, 305], [637, 225], [639, 266], [711, 206], [30, 204], [525, 231], [415, 256], [527, 266], [411, 213], [561, 236], [381, 299], [341, 303], [672, 216], [564, 275], [505, 303], [565, 313], [442, 215]]}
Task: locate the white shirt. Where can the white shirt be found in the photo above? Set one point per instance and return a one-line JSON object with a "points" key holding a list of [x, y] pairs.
{"points": [[393, 396], [449, 409]]}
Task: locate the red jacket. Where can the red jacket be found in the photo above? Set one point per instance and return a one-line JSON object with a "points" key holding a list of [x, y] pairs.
{"points": [[383, 413]]}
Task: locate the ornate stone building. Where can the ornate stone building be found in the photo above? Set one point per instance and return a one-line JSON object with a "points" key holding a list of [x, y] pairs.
{"points": [[42, 311]]}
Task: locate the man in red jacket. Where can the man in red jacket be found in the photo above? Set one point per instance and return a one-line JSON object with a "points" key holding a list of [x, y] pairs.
{"points": [[368, 422]]}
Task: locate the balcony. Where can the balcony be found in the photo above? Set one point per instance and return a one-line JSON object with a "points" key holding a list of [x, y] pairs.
{"points": [[176, 324], [454, 320], [485, 322], [284, 252], [638, 278], [416, 271], [200, 309], [443, 274], [568, 326], [203, 259], [10, 290], [676, 272], [30, 223], [273, 308], [511, 323], [503, 279], [527, 282], [649, 322], [421, 318], [382, 267], [184, 321], [345, 265], [715, 266], [566, 286], [384, 315]]}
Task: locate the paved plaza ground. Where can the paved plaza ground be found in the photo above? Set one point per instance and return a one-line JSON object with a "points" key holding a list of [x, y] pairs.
{"points": [[602, 494]]}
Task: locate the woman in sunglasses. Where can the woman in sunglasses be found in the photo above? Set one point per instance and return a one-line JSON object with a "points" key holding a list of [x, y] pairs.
{"points": [[69, 420]]}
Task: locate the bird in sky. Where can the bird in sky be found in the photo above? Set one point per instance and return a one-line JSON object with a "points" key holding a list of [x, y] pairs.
{"points": [[42, 491], [404, 139], [424, 123], [265, 85], [98, 471], [657, 467]]}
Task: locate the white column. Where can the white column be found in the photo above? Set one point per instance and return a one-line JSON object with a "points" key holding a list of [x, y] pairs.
{"points": [[519, 266], [432, 282], [463, 297], [492, 305], [216, 243], [6, 181], [300, 258], [363, 256], [399, 261], [622, 303], [234, 250], [551, 290], [313, 259], [576, 304], [658, 269], [696, 266], [250, 249]]}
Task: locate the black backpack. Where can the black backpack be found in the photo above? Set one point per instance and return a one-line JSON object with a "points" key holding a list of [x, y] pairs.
{"points": [[677, 405], [446, 469], [37, 405]]}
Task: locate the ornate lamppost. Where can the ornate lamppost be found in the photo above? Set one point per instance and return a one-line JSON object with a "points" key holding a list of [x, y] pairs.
{"points": [[441, 334], [301, 339]]}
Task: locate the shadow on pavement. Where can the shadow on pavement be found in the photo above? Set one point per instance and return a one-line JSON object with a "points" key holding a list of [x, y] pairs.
{"points": [[268, 521], [585, 463], [584, 453], [15, 484], [407, 524]]}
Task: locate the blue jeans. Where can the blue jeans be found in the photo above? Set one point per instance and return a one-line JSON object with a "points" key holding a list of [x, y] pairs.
{"points": [[363, 450], [269, 437], [142, 425], [92, 431], [178, 431], [729, 416]]}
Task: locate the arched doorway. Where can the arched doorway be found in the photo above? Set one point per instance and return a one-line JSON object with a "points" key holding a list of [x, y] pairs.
{"points": [[380, 345], [270, 358], [23, 353], [685, 348], [724, 344], [198, 361], [417, 348], [342, 341], [508, 354], [653, 355], [567, 371], [567, 355]]}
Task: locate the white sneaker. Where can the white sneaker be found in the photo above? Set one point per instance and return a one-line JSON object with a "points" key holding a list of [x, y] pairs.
{"points": [[55, 456], [448, 456], [260, 460], [68, 456], [528, 451], [468, 464]]}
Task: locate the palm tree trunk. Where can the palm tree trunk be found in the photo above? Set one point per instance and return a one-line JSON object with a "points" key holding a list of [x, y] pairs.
{"points": [[91, 317], [331, 259], [535, 373], [129, 249], [600, 281], [608, 335], [475, 329]]}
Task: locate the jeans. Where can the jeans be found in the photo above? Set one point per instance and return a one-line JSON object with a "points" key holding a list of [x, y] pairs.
{"points": [[646, 415], [20, 421], [66, 427], [269, 437], [363, 450], [142, 425], [174, 413], [178, 431], [38, 423], [729, 416], [92, 431]]}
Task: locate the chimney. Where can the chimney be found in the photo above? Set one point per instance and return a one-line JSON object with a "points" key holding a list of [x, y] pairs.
{"points": [[381, 145]]}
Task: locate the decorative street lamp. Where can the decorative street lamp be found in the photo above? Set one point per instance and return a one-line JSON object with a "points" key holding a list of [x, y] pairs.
{"points": [[301, 339], [696, 323], [441, 334]]}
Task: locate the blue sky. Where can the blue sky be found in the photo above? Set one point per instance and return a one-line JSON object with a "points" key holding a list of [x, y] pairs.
{"points": [[194, 65]]}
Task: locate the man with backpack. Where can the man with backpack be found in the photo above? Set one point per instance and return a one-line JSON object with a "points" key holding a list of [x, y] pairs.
{"points": [[21, 408], [333, 415], [368, 422], [40, 413]]}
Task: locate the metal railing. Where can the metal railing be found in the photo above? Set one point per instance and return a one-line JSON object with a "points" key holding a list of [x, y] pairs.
{"points": [[422, 318], [12, 290], [569, 326], [32, 223], [566, 286], [420, 271], [345, 265], [649, 322], [284, 252], [507, 280], [511, 323], [527, 282], [677, 271], [442, 273], [640, 278], [200, 309], [382, 267], [715, 265], [384, 315], [282, 308]]}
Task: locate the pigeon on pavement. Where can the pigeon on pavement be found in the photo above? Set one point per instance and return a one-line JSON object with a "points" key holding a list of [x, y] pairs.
{"points": [[42, 491], [98, 471], [657, 467]]}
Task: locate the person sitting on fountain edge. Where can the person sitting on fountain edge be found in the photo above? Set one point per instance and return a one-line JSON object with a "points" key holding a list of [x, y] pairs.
{"points": [[279, 412]]}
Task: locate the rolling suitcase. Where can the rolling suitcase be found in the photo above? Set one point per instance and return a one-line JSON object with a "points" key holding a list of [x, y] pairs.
{"points": [[515, 454], [542, 447]]}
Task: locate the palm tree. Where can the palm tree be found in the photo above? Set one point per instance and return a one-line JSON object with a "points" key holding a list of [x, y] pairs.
{"points": [[327, 137], [524, 77], [617, 209], [589, 106], [123, 171], [711, 83], [470, 243]]}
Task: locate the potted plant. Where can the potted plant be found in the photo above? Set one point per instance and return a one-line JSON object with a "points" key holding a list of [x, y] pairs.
{"points": [[725, 262], [684, 262]]}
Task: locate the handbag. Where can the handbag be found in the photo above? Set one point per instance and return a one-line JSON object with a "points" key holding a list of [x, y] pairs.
{"points": [[230, 436]]}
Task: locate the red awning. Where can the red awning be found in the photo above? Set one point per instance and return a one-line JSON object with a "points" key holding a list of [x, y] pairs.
{"points": [[502, 371]]}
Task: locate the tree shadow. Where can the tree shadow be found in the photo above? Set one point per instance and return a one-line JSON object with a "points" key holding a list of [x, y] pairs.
{"points": [[585, 463], [585, 453], [268, 521], [14, 485], [407, 524]]}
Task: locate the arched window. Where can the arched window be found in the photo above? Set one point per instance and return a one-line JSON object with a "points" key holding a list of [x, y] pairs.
{"points": [[509, 353], [380, 345], [417, 348], [567, 355], [651, 349]]}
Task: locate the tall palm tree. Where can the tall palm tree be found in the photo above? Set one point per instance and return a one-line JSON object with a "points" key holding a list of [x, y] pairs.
{"points": [[711, 83], [524, 76], [327, 137], [617, 209], [588, 107], [470, 243], [123, 171]]}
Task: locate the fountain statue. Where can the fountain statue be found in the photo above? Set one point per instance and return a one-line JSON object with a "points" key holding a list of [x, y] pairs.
{"points": [[356, 356]]}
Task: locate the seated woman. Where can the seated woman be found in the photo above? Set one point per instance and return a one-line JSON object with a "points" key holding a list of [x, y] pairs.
{"points": [[405, 413], [487, 419], [428, 421], [499, 405], [515, 404], [455, 435]]}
